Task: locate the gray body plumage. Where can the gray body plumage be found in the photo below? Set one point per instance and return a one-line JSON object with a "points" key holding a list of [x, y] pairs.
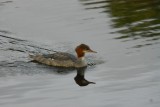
{"points": [[60, 59]]}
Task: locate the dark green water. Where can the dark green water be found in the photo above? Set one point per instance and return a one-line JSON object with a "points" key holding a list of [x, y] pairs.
{"points": [[135, 19]]}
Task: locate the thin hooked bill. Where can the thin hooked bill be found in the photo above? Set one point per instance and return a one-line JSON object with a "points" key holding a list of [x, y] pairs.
{"points": [[92, 82], [91, 51]]}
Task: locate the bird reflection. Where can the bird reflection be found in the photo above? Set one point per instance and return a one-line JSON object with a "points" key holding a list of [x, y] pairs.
{"points": [[79, 79]]}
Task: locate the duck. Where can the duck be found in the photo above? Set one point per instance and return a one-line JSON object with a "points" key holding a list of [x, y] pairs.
{"points": [[64, 59]]}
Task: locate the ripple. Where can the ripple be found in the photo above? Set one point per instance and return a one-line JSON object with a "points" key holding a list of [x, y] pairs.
{"points": [[16, 61]]}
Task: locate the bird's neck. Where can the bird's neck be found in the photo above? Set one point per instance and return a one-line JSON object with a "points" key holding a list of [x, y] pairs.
{"points": [[80, 54], [81, 58]]}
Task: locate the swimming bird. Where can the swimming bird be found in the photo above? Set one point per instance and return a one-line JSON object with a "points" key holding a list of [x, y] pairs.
{"points": [[63, 59]]}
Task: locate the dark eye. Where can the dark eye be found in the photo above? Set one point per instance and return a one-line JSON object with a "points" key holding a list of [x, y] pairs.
{"points": [[87, 48]]}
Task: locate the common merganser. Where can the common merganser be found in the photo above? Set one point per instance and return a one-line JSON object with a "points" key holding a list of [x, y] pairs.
{"points": [[63, 59]]}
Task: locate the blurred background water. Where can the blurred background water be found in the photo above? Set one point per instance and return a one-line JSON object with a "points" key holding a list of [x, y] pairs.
{"points": [[125, 34]]}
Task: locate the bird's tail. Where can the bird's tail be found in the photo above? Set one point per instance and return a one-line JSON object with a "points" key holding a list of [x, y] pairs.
{"points": [[31, 56]]}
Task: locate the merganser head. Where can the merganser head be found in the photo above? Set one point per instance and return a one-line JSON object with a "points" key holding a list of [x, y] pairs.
{"points": [[82, 49]]}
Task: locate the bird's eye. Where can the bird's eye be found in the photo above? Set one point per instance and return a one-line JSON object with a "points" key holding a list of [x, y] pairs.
{"points": [[87, 48]]}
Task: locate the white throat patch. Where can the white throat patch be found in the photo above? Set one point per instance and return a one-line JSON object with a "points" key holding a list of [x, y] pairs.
{"points": [[82, 58]]}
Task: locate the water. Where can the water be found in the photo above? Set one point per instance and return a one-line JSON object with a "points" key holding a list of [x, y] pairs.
{"points": [[124, 33]]}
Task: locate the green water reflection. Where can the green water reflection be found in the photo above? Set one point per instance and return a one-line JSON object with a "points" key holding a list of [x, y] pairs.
{"points": [[133, 19]]}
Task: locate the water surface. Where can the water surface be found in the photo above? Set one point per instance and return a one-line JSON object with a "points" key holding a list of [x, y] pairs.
{"points": [[124, 33]]}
